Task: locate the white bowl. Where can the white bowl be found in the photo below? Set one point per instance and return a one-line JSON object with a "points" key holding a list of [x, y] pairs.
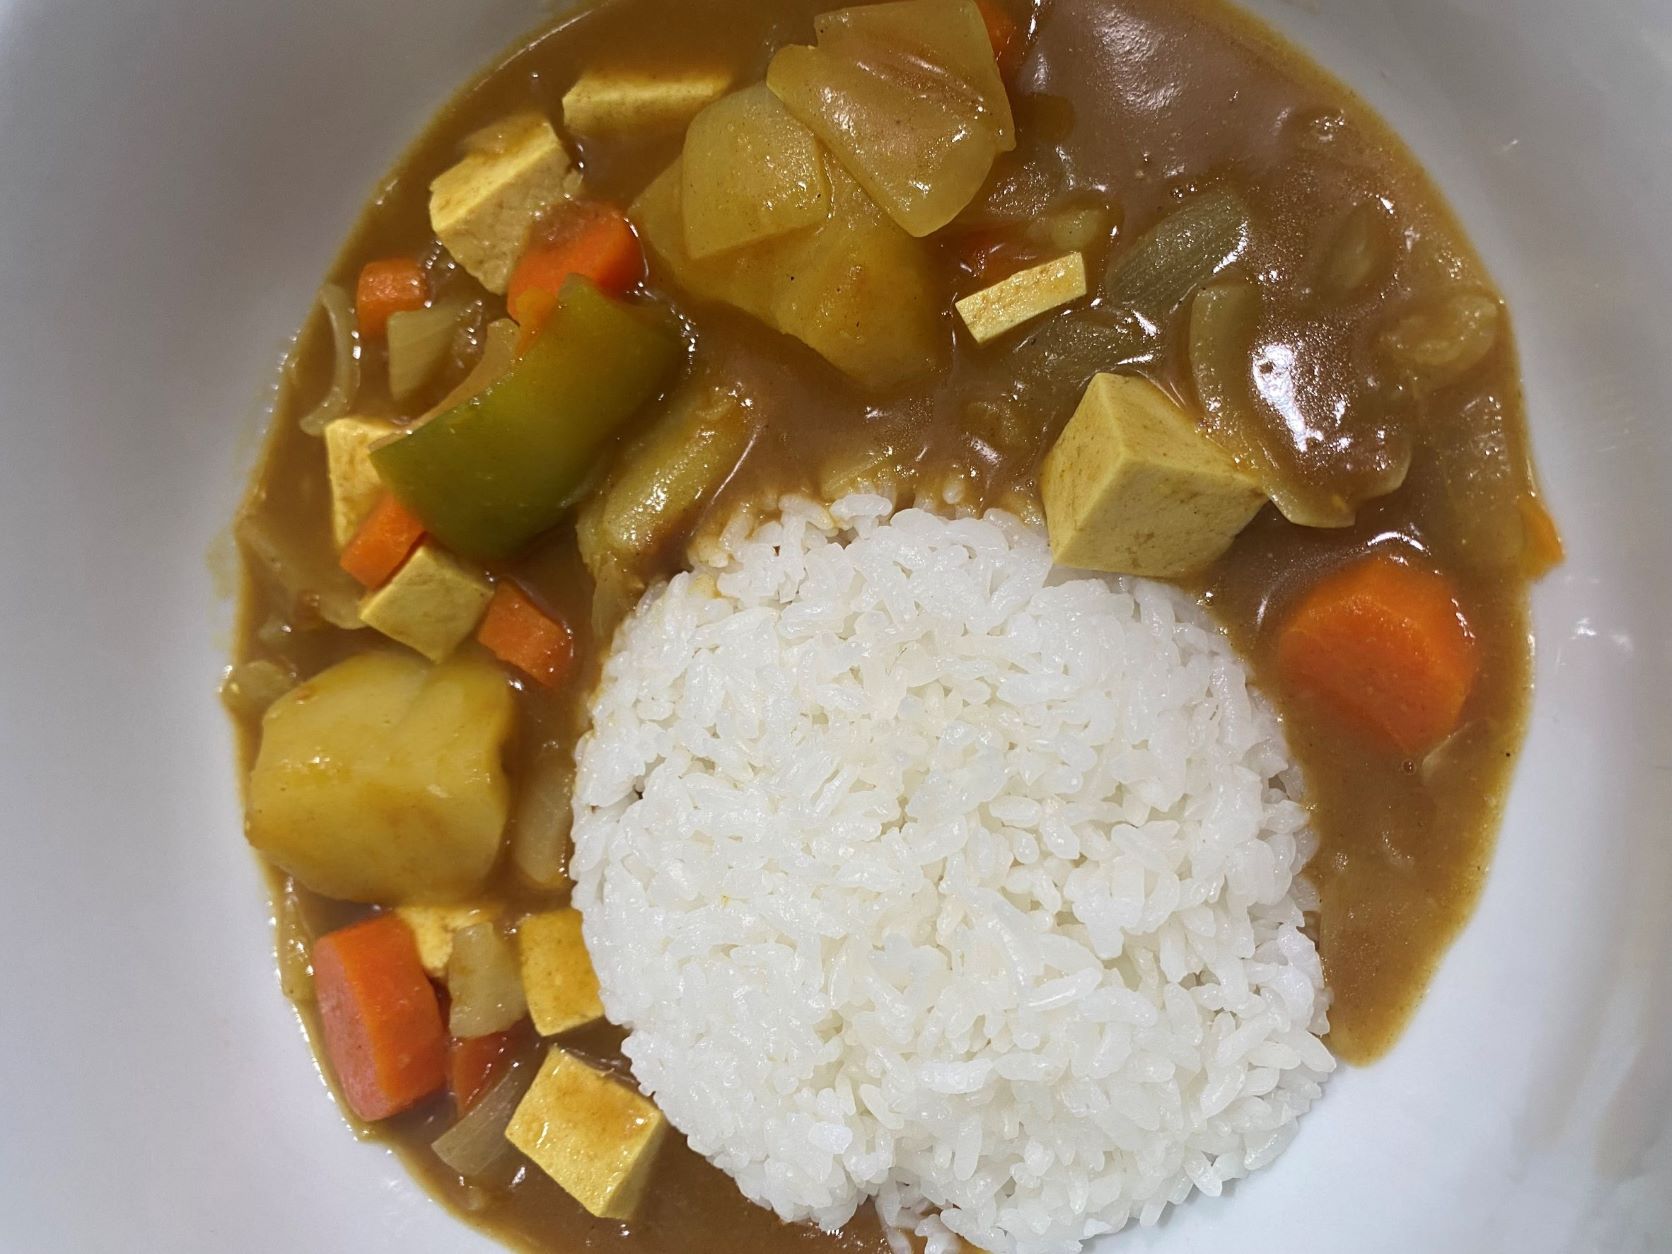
{"points": [[174, 177]]}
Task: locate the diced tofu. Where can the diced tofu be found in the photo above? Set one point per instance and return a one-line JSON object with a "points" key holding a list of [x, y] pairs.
{"points": [[1010, 302], [611, 102], [557, 975], [355, 485], [483, 209], [1134, 486], [434, 927], [431, 604], [593, 1135]]}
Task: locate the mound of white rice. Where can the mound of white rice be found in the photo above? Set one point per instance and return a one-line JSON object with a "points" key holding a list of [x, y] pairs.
{"points": [[920, 872]]}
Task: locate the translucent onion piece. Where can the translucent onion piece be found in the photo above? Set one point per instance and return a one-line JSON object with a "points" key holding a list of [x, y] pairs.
{"points": [[1176, 256], [252, 686], [919, 156], [302, 566], [484, 981], [1439, 343], [752, 171], [499, 351], [419, 341], [345, 369], [544, 813], [1072, 228], [1483, 478], [1360, 252], [475, 1146], [1224, 320], [941, 44], [295, 948]]}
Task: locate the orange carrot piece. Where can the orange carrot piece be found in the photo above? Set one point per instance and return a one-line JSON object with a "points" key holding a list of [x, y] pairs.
{"points": [[391, 286], [385, 540], [1384, 647], [1544, 548], [474, 1063], [518, 632], [1005, 36], [593, 240], [379, 1016]]}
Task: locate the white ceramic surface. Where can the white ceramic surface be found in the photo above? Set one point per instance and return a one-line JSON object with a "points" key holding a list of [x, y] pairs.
{"points": [[174, 175]]}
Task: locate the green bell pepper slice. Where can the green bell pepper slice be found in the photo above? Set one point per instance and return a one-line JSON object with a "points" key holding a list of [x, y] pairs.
{"points": [[492, 473]]}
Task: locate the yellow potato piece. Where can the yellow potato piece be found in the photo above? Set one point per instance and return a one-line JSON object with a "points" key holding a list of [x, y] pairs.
{"points": [[751, 172], [856, 288], [593, 1135], [557, 975], [1134, 486], [380, 779]]}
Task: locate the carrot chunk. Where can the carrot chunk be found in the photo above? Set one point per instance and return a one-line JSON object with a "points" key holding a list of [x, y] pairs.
{"points": [[385, 540], [1384, 647], [390, 286], [379, 1016], [475, 1063], [1005, 36], [589, 239], [518, 632]]}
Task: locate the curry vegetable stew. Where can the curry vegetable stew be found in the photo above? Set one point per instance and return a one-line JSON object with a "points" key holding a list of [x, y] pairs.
{"points": [[884, 624]]}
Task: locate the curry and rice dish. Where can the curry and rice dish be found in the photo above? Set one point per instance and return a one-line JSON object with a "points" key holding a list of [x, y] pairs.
{"points": [[881, 628]]}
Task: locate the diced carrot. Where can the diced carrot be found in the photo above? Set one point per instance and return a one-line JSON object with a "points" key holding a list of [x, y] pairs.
{"points": [[385, 540], [518, 632], [1004, 34], [585, 238], [379, 1016], [473, 1064], [391, 286], [1384, 647], [1544, 547]]}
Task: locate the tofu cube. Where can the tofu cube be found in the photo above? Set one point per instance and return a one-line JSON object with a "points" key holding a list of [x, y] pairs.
{"points": [[1134, 486], [557, 975], [1026, 294], [483, 209], [431, 605], [434, 927], [355, 485], [613, 102], [592, 1134]]}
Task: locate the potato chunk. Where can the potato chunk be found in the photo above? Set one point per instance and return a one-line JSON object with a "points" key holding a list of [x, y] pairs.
{"points": [[1010, 302], [355, 485], [751, 172], [557, 975], [856, 288], [1134, 486], [380, 779], [621, 101], [483, 208], [592, 1134], [431, 604]]}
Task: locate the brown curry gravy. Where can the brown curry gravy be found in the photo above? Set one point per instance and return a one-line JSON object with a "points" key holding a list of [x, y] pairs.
{"points": [[1124, 100]]}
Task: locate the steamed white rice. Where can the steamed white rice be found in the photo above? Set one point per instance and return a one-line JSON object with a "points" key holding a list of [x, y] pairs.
{"points": [[919, 871]]}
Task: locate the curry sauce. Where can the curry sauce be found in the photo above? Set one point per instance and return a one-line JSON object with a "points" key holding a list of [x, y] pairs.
{"points": [[1128, 106]]}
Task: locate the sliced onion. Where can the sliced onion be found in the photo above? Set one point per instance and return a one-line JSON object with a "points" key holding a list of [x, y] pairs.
{"points": [[484, 981], [295, 940], [1177, 255], [345, 369], [499, 351], [419, 341], [303, 568], [252, 686], [1224, 320], [1440, 342], [476, 1144], [543, 817]]}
